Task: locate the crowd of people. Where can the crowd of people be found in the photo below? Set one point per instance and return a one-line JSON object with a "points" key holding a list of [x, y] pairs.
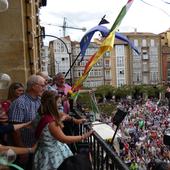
{"points": [[35, 124], [142, 132], [32, 123]]}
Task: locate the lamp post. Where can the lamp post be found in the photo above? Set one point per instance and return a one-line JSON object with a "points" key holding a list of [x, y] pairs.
{"points": [[67, 50]]}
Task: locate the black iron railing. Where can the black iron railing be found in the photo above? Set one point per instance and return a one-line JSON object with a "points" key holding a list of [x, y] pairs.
{"points": [[102, 154]]}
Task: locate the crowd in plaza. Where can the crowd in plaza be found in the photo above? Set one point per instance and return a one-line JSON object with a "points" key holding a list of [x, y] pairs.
{"points": [[141, 144], [35, 124]]}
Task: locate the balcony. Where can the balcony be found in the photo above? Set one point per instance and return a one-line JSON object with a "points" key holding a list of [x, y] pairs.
{"points": [[103, 155]]}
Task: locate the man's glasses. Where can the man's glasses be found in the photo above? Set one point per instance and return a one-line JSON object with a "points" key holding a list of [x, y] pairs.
{"points": [[42, 85]]}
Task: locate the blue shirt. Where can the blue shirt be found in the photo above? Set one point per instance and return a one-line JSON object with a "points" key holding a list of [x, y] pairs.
{"points": [[24, 109]]}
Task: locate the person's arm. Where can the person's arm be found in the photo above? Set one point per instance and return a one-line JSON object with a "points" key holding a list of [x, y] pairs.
{"points": [[16, 116], [78, 121], [58, 134], [66, 117], [18, 150], [21, 125]]}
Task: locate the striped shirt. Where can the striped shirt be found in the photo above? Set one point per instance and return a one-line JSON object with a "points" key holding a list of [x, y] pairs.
{"points": [[24, 109]]}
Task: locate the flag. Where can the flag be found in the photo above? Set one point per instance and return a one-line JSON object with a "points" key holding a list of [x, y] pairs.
{"points": [[121, 15], [85, 41], [103, 21], [125, 39], [107, 45]]}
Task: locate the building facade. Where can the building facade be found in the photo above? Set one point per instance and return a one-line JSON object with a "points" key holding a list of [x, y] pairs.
{"points": [[100, 73], [44, 57], [19, 48], [60, 56], [165, 53], [131, 68]]}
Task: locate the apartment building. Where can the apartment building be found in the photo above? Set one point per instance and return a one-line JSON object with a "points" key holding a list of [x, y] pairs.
{"points": [[60, 56], [44, 57], [165, 54], [118, 67], [100, 74], [131, 68]]}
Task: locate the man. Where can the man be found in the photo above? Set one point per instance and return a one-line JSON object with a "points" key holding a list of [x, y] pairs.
{"points": [[24, 109], [62, 89], [48, 80]]}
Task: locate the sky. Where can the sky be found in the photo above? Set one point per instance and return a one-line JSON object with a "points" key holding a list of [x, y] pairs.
{"points": [[145, 16]]}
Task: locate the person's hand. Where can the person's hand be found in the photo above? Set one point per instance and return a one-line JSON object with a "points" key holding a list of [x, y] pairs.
{"points": [[81, 121], [87, 134], [3, 117], [22, 125], [33, 148], [65, 117]]}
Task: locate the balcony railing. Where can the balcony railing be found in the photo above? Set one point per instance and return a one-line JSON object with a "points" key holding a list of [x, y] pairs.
{"points": [[103, 155]]}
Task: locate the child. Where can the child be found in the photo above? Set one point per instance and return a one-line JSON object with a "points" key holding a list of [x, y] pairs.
{"points": [[52, 149]]}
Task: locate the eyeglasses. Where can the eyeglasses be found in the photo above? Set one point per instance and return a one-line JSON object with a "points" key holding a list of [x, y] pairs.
{"points": [[42, 85]]}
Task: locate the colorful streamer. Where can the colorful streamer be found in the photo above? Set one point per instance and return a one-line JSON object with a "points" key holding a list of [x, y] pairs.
{"points": [[107, 45]]}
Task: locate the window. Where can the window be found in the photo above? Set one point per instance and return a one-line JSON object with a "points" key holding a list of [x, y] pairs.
{"points": [[145, 79], [145, 66], [145, 54], [107, 54], [152, 42], [120, 82], [107, 63], [62, 48], [137, 76], [119, 50], [107, 74], [135, 42], [154, 76], [144, 43], [120, 61]]}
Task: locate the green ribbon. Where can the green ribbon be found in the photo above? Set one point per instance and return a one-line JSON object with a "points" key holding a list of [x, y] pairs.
{"points": [[5, 163]]}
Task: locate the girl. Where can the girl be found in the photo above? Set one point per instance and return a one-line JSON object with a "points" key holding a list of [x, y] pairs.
{"points": [[52, 148]]}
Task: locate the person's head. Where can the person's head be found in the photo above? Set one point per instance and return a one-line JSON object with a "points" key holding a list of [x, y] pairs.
{"points": [[36, 85], [15, 90], [45, 76], [59, 79], [49, 104]]}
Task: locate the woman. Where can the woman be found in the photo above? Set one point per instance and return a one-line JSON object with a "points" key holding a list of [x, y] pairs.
{"points": [[15, 90], [52, 148]]}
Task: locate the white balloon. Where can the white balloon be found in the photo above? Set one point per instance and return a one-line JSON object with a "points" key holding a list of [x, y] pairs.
{"points": [[7, 157], [3, 5], [5, 80]]}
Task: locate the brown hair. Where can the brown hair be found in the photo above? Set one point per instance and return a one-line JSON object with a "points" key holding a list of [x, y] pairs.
{"points": [[12, 88], [49, 105]]}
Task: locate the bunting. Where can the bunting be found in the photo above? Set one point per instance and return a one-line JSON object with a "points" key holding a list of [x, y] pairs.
{"points": [[107, 45], [85, 41]]}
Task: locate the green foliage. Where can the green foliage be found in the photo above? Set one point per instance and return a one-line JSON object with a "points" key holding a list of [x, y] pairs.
{"points": [[84, 100], [104, 91], [107, 108]]}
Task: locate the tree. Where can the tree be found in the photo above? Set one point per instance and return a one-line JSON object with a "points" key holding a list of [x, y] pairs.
{"points": [[104, 91]]}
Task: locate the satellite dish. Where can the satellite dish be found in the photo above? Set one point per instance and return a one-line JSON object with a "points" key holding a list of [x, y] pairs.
{"points": [[3, 5], [5, 80]]}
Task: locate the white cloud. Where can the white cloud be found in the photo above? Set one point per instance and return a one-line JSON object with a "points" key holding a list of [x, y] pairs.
{"points": [[88, 13]]}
